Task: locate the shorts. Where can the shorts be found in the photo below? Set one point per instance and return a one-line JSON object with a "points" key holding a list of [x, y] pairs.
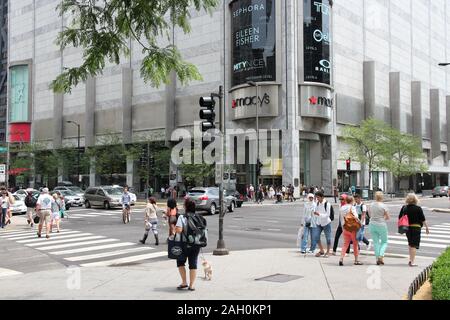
{"points": [[190, 254], [413, 235], [173, 219], [30, 212], [44, 215], [55, 216]]}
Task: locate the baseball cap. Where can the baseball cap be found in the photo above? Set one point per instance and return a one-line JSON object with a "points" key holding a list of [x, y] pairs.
{"points": [[310, 195], [45, 190]]}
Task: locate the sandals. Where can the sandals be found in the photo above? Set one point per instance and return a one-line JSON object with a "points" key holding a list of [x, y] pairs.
{"points": [[358, 263], [181, 287], [412, 264], [191, 289], [319, 254], [341, 263]]}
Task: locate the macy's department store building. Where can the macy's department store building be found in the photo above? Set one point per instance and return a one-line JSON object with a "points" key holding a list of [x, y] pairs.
{"points": [[318, 65]]}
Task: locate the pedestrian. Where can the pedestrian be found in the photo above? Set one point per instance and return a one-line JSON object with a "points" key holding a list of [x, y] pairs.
{"points": [[271, 193], [260, 194], [337, 235], [190, 252], [55, 216], [30, 202], [151, 220], [378, 227], [252, 191], [322, 210], [171, 215], [351, 224], [163, 192], [44, 208], [5, 207], [335, 194], [283, 192], [306, 223], [363, 216], [416, 220]]}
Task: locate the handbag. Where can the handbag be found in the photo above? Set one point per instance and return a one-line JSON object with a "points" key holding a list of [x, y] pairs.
{"points": [[403, 223], [36, 219], [175, 248]]}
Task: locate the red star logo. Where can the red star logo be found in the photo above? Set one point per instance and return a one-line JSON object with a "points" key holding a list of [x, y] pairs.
{"points": [[233, 104], [313, 100]]}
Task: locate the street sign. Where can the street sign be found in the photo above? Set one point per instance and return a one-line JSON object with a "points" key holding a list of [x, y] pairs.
{"points": [[2, 173], [3, 149]]}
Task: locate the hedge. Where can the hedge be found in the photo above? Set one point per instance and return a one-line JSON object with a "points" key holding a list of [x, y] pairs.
{"points": [[440, 277]]}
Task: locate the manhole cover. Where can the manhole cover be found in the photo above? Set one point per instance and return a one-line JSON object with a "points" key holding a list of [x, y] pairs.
{"points": [[282, 278], [252, 229], [126, 264]]}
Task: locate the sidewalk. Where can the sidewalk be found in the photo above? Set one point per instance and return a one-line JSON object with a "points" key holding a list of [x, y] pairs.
{"points": [[233, 278]]}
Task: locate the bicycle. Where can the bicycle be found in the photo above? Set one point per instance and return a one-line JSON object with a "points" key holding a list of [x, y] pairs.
{"points": [[126, 214]]}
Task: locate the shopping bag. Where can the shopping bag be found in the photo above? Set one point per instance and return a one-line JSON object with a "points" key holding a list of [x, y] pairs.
{"points": [[403, 224], [300, 236], [176, 248]]}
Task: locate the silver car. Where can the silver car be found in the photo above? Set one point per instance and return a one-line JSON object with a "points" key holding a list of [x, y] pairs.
{"points": [[106, 196], [79, 192], [207, 199], [71, 198]]}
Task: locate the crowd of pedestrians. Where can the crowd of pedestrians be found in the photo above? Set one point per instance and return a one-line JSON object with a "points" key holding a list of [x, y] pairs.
{"points": [[269, 192], [354, 218]]}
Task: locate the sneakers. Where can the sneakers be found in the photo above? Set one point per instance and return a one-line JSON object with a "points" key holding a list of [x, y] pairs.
{"points": [[369, 246]]}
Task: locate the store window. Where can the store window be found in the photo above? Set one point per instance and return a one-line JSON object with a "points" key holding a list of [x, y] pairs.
{"points": [[19, 94]]}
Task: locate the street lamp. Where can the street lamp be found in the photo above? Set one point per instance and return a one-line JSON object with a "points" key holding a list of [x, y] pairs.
{"points": [[256, 85], [78, 156]]}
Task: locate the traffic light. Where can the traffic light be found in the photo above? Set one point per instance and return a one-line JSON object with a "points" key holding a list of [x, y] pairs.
{"points": [[348, 163], [207, 113], [259, 166]]}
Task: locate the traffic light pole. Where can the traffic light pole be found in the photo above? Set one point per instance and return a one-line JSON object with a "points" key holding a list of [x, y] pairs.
{"points": [[221, 249]]}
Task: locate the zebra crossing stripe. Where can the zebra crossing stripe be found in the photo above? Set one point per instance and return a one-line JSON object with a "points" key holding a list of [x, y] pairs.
{"points": [[61, 246], [422, 241], [102, 214], [107, 254], [124, 260], [431, 245], [8, 272], [5, 233], [58, 241], [440, 229], [54, 237], [34, 235], [84, 215], [442, 236], [95, 248]]}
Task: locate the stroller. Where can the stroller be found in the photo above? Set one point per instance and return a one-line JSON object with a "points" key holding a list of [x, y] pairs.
{"points": [[279, 197]]}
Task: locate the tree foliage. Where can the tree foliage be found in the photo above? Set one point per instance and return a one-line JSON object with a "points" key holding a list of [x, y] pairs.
{"points": [[197, 174], [102, 29]]}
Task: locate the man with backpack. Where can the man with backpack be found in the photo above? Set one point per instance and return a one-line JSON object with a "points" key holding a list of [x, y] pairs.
{"points": [[30, 202], [325, 215], [363, 216], [194, 235]]}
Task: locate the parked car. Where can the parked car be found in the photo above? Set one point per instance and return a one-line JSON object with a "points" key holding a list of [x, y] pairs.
{"points": [[22, 194], [18, 207], [440, 191], [71, 199], [207, 199], [77, 190], [105, 196], [238, 198]]}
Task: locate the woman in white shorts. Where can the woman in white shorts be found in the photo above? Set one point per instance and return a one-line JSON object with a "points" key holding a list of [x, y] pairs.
{"points": [[55, 217]]}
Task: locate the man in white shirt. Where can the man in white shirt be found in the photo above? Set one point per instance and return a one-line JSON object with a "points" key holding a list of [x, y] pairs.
{"points": [[44, 209], [322, 210]]}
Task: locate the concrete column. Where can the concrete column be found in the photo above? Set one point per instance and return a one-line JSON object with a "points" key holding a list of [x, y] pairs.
{"points": [[447, 103], [291, 136], [435, 123], [93, 178], [89, 118], [60, 174], [58, 104], [327, 182], [416, 103], [127, 91], [369, 89], [394, 99], [171, 93]]}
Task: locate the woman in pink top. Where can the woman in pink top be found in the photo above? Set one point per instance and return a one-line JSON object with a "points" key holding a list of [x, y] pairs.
{"points": [[349, 236]]}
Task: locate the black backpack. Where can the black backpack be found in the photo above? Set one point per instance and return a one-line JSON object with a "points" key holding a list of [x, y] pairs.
{"points": [[196, 232], [30, 201], [331, 211]]}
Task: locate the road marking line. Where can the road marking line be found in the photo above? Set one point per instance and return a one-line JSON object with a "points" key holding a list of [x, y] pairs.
{"points": [[274, 230], [33, 234], [102, 214], [8, 272], [79, 244], [272, 221], [85, 215], [75, 217], [439, 229], [107, 254], [58, 241], [55, 237], [405, 243], [16, 234], [108, 246], [124, 260], [422, 240], [424, 236]]}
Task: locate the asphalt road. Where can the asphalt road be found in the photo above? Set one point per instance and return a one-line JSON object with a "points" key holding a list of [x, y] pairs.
{"points": [[92, 237]]}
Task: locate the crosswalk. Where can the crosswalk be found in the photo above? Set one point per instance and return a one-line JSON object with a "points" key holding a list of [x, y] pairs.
{"points": [[438, 239], [89, 213], [83, 248]]}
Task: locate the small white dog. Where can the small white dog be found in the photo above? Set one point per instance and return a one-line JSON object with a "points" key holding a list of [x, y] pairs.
{"points": [[207, 269]]}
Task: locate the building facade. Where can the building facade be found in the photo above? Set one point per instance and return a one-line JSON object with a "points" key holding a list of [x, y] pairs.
{"points": [[3, 67], [318, 66]]}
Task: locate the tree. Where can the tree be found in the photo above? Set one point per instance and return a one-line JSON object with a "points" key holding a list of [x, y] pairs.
{"points": [[197, 174], [103, 30], [367, 143], [404, 157]]}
